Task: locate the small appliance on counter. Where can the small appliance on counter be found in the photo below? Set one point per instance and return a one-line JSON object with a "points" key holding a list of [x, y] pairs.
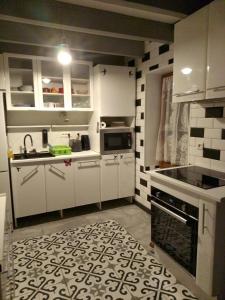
{"points": [[75, 144], [60, 150], [85, 142]]}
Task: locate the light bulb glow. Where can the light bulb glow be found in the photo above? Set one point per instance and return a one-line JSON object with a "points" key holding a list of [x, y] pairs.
{"points": [[46, 80], [186, 71], [64, 57]]}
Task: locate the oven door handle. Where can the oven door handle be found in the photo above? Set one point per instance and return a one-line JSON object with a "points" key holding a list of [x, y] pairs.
{"points": [[172, 214]]}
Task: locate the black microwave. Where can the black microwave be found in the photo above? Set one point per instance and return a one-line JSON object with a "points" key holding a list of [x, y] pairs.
{"points": [[116, 140]]}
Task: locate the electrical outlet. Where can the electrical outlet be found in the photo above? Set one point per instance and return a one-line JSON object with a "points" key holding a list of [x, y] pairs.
{"points": [[200, 146]]}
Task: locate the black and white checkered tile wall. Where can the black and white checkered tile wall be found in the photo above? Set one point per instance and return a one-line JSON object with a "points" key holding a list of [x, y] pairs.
{"points": [[156, 56], [207, 135]]}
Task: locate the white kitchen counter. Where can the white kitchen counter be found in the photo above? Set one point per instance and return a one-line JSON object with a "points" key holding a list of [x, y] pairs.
{"points": [[2, 223], [73, 156], [214, 194]]}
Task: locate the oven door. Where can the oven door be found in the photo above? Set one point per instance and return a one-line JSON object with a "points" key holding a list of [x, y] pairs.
{"points": [[175, 233], [116, 142]]}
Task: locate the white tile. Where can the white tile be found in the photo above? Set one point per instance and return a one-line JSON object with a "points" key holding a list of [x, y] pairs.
{"points": [[218, 165], [205, 122], [212, 133], [203, 162], [192, 141], [193, 122], [219, 123], [218, 144], [194, 151], [222, 155], [197, 113], [191, 159]]}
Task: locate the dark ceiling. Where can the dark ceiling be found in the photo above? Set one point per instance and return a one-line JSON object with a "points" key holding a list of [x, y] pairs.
{"points": [[183, 6]]}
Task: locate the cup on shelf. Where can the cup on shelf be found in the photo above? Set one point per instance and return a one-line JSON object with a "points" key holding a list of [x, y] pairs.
{"points": [[26, 88], [61, 90], [54, 90], [46, 90]]}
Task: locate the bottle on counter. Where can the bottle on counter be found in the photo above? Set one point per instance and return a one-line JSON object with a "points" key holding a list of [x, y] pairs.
{"points": [[10, 153], [76, 144]]}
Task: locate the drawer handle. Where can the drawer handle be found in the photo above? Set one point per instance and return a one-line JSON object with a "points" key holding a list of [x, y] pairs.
{"points": [[217, 88], [54, 169], [188, 93], [204, 210], [31, 173], [88, 161]]}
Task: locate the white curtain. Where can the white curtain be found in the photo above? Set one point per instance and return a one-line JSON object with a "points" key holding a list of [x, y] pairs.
{"points": [[172, 144]]}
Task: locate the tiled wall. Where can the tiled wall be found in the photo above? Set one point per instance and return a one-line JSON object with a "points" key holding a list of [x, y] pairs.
{"points": [[156, 56], [207, 135]]}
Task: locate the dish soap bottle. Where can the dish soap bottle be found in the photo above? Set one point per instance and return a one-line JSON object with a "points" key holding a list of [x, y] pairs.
{"points": [[76, 146], [10, 153]]}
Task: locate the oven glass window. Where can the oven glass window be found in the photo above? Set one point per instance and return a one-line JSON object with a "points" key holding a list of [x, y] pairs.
{"points": [[179, 240]]}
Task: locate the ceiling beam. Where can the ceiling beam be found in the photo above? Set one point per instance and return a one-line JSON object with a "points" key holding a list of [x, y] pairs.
{"points": [[48, 37], [96, 58], [85, 19]]}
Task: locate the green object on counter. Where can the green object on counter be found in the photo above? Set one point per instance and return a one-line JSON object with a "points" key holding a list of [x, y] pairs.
{"points": [[60, 150]]}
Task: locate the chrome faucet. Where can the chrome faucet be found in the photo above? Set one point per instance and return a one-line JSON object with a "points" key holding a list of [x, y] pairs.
{"points": [[24, 142]]}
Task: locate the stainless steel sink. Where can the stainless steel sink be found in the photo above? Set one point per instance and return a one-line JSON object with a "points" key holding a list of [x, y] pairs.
{"points": [[32, 155]]}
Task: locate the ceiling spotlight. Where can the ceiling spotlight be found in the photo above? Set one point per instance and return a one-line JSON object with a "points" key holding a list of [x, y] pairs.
{"points": [[46, 80], [64, 57], [186, 71]]}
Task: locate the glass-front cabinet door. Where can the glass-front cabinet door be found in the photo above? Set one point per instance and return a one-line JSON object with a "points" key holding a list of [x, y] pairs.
{"points": [[81, 85], [21, 82], [51, 85]]}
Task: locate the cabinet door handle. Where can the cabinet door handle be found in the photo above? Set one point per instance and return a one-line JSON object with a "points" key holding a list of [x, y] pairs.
{"points": [[217, 88], [188, 93], [204, 210], [121, 156], [56, 170], [86, 162], [31, 173]]}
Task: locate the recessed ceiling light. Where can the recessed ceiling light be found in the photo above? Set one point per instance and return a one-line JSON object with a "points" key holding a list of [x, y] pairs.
{"points": [[186, 71]]}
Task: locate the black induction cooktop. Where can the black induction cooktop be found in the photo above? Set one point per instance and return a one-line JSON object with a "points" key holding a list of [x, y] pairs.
{"points": [[197, 176]]}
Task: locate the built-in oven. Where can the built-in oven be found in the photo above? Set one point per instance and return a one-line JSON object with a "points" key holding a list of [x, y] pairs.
{"points": [[174, 228], [116, 140]]}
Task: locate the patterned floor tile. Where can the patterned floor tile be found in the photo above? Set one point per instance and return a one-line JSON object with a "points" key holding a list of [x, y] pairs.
{"points": [[94, 262]]}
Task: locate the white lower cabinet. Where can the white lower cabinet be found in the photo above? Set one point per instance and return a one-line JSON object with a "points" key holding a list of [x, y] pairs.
{"points": [[28, 190], [117, 176], [87, 181], [59, 186]]}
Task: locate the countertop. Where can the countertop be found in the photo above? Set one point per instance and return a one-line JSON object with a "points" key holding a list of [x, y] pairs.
{"points": [[214, 194], [2, 223], [73, 156]]}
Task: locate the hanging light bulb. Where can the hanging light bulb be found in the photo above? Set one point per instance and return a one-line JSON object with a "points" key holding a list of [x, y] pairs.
{"points": [[64, 57]]}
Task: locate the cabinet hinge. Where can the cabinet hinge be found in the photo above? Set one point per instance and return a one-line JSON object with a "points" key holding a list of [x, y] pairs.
{"points": [[104, 71]]}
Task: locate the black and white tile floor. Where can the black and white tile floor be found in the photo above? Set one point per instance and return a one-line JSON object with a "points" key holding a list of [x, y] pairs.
{"points": [[100, 261]]}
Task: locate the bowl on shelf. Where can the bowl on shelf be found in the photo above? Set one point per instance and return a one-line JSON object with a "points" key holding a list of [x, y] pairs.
{"points": [[26, 88]]}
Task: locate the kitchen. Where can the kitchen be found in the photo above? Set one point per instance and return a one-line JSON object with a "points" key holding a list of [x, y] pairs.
{"points": [[115, 140]]}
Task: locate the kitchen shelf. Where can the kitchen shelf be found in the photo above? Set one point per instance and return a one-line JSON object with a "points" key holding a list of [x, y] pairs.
{"points": [[22, 92], [20, 70], [80, 80], [53, 94], [28, 126], [52, 77], [81, 95], [71, 126]]}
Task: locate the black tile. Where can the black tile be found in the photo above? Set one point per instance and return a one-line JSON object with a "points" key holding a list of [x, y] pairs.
{"points": [[197, 132], [153, 67], [131, 63], [143, 182], [142, 116], [211, 153], [142, 88], [138, 74], [146, 56], [147, 168], [141, 143], [223, 134], [148, 198], [142, 169], [138, 102], [214, 112], [170, 61], [137, 128], [137, 154], [137, 191], [164, 48]]}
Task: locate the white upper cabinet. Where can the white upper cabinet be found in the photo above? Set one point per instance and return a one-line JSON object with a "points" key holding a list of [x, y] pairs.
{"points": [[41, 83], [21, 82], [115, 88], [190, 54], [2, 73], [216, 51]]}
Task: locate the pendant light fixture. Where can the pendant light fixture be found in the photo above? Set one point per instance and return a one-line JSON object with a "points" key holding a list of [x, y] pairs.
{"points": [[64, 56]]}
